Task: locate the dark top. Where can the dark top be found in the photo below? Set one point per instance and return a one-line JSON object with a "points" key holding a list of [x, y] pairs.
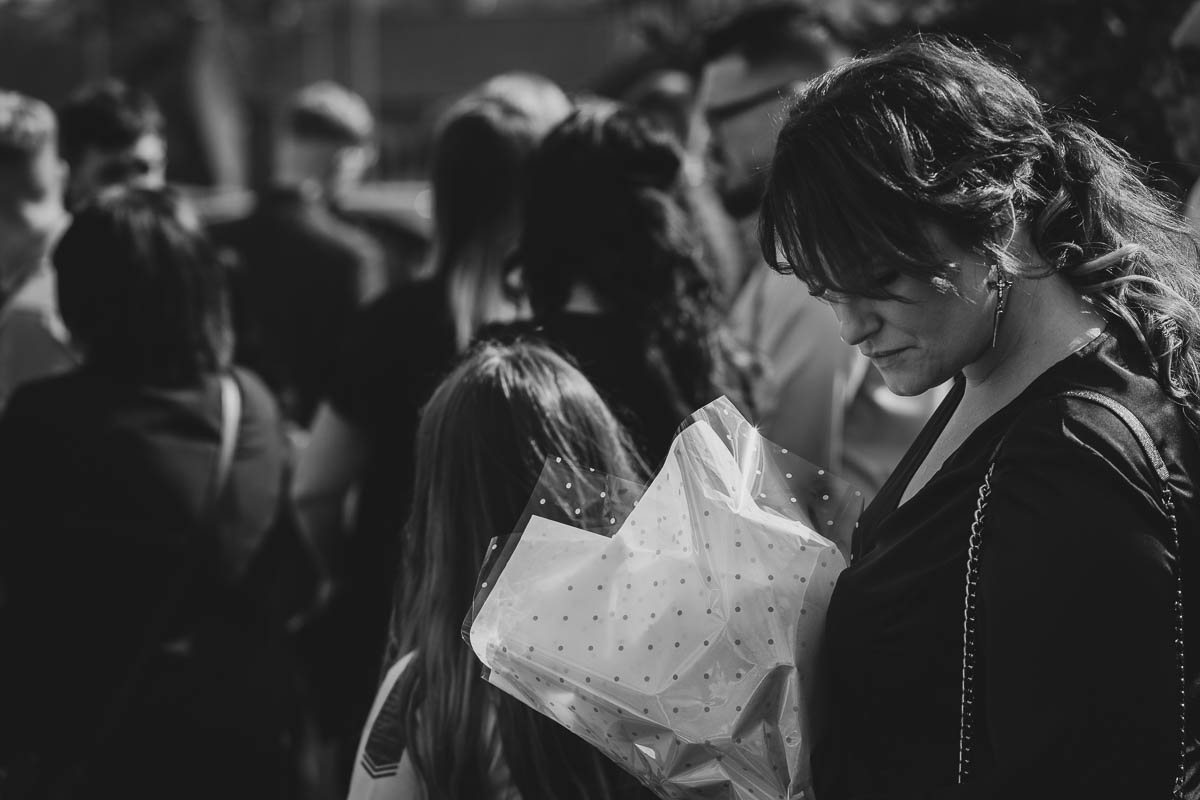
{"points": [[1077, 686], [397, 352], [612, 355], [302, 274], [101, 485]]}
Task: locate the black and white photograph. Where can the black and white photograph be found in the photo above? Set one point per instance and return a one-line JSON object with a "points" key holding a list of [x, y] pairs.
{"points": [[599, 399]]}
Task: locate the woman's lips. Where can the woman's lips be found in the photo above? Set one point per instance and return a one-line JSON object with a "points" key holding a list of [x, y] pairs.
{"points": [[878, 356]]}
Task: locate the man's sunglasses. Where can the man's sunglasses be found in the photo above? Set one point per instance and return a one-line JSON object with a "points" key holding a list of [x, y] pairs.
{"points": [[735, 108]]}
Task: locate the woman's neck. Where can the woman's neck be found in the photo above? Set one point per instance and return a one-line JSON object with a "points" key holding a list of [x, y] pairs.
{"points": [[1046, 320]]}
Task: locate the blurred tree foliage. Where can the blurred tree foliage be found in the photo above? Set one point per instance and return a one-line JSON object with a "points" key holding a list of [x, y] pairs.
{"points": [[1102, 59]]}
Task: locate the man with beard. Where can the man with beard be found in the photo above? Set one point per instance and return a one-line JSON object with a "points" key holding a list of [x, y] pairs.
{"points": [[817, 396], [110, 134]]}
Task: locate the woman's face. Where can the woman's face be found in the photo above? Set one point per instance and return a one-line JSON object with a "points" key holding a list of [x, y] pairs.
{"points": [[931, 333]]}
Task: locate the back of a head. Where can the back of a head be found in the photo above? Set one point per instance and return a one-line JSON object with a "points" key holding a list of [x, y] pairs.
{"points": [[142, 290], [601, 209], [483, 440], [106, 116], [328, 112], [540, 99], [326, 141], [604, 211], [481, 146]]}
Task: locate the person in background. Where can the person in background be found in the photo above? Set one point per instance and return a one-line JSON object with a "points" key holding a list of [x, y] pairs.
{"points": [[1178, 89], [303, 273], [111, 133], [111, 516], [615, 277], [1017, 601], [816, 396], [33, 341], [397, 351], [667, 100], [437, 729]]}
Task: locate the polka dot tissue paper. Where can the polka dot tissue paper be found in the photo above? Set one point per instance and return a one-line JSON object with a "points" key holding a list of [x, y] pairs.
{"points": [[682, 645]]}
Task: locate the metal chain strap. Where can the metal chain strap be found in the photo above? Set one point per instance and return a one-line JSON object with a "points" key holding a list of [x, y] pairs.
{"points": [[966, 724], [1169, 502], [974, 545]]}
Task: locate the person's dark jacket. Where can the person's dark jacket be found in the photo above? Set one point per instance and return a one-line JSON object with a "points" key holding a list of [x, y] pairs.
{"points": [[102, 486], [301, 274]]}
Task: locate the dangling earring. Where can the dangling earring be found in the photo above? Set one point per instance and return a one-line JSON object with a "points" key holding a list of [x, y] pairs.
{"points": [[999, 281]]}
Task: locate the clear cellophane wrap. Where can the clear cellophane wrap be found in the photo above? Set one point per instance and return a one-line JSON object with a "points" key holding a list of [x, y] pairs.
{"points": [[675, 626]]}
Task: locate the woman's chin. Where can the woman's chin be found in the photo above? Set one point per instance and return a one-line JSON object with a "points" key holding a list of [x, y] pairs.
{"points": [[905, 383]]}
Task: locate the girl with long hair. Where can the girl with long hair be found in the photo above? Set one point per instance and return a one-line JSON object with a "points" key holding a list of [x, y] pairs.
{"points": [[396, 352], [1012, 623], [438, 729]]}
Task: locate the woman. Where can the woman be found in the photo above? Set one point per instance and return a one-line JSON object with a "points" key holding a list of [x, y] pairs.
{"points": [[614, 275], [137, 491], [438, 729], [959, 228], [396, 353]]}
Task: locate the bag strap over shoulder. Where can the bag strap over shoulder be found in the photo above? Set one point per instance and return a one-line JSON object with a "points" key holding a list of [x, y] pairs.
{"points": [[43, 777], [975, 544], [192, 559], [231, 418]]}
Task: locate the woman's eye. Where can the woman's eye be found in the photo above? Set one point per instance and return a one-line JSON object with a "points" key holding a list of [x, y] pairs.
{"points": [[830, 298], [887, 277]]}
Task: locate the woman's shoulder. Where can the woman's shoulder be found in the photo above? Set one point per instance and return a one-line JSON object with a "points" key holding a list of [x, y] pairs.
{"points": [[1096, 425]]}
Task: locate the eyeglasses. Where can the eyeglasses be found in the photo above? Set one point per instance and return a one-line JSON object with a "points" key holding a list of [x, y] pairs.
{"points": [[717, 115]]}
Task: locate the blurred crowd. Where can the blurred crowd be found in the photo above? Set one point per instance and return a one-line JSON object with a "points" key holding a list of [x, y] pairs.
{"points": [[250, 467]]}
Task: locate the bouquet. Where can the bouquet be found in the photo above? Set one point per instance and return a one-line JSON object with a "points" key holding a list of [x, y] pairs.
{"points": [[674, 627]]}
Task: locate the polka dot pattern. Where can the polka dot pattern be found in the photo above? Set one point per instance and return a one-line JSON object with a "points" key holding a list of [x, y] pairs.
{"points": [[682, 646]]}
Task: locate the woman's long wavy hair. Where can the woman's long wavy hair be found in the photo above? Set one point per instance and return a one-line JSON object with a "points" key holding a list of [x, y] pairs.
{"points": [[932, 131], [481, 145], [604, 209], [483, 440]]}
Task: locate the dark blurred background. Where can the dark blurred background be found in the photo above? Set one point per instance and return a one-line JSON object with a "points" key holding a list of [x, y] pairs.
{"points": [[222, 68]]}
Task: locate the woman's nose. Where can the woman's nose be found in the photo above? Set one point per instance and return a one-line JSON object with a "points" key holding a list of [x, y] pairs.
{"points": [[857, 319]]}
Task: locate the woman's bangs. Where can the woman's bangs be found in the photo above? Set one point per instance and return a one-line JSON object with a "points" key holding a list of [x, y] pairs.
{"points": [[840, 234]]}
